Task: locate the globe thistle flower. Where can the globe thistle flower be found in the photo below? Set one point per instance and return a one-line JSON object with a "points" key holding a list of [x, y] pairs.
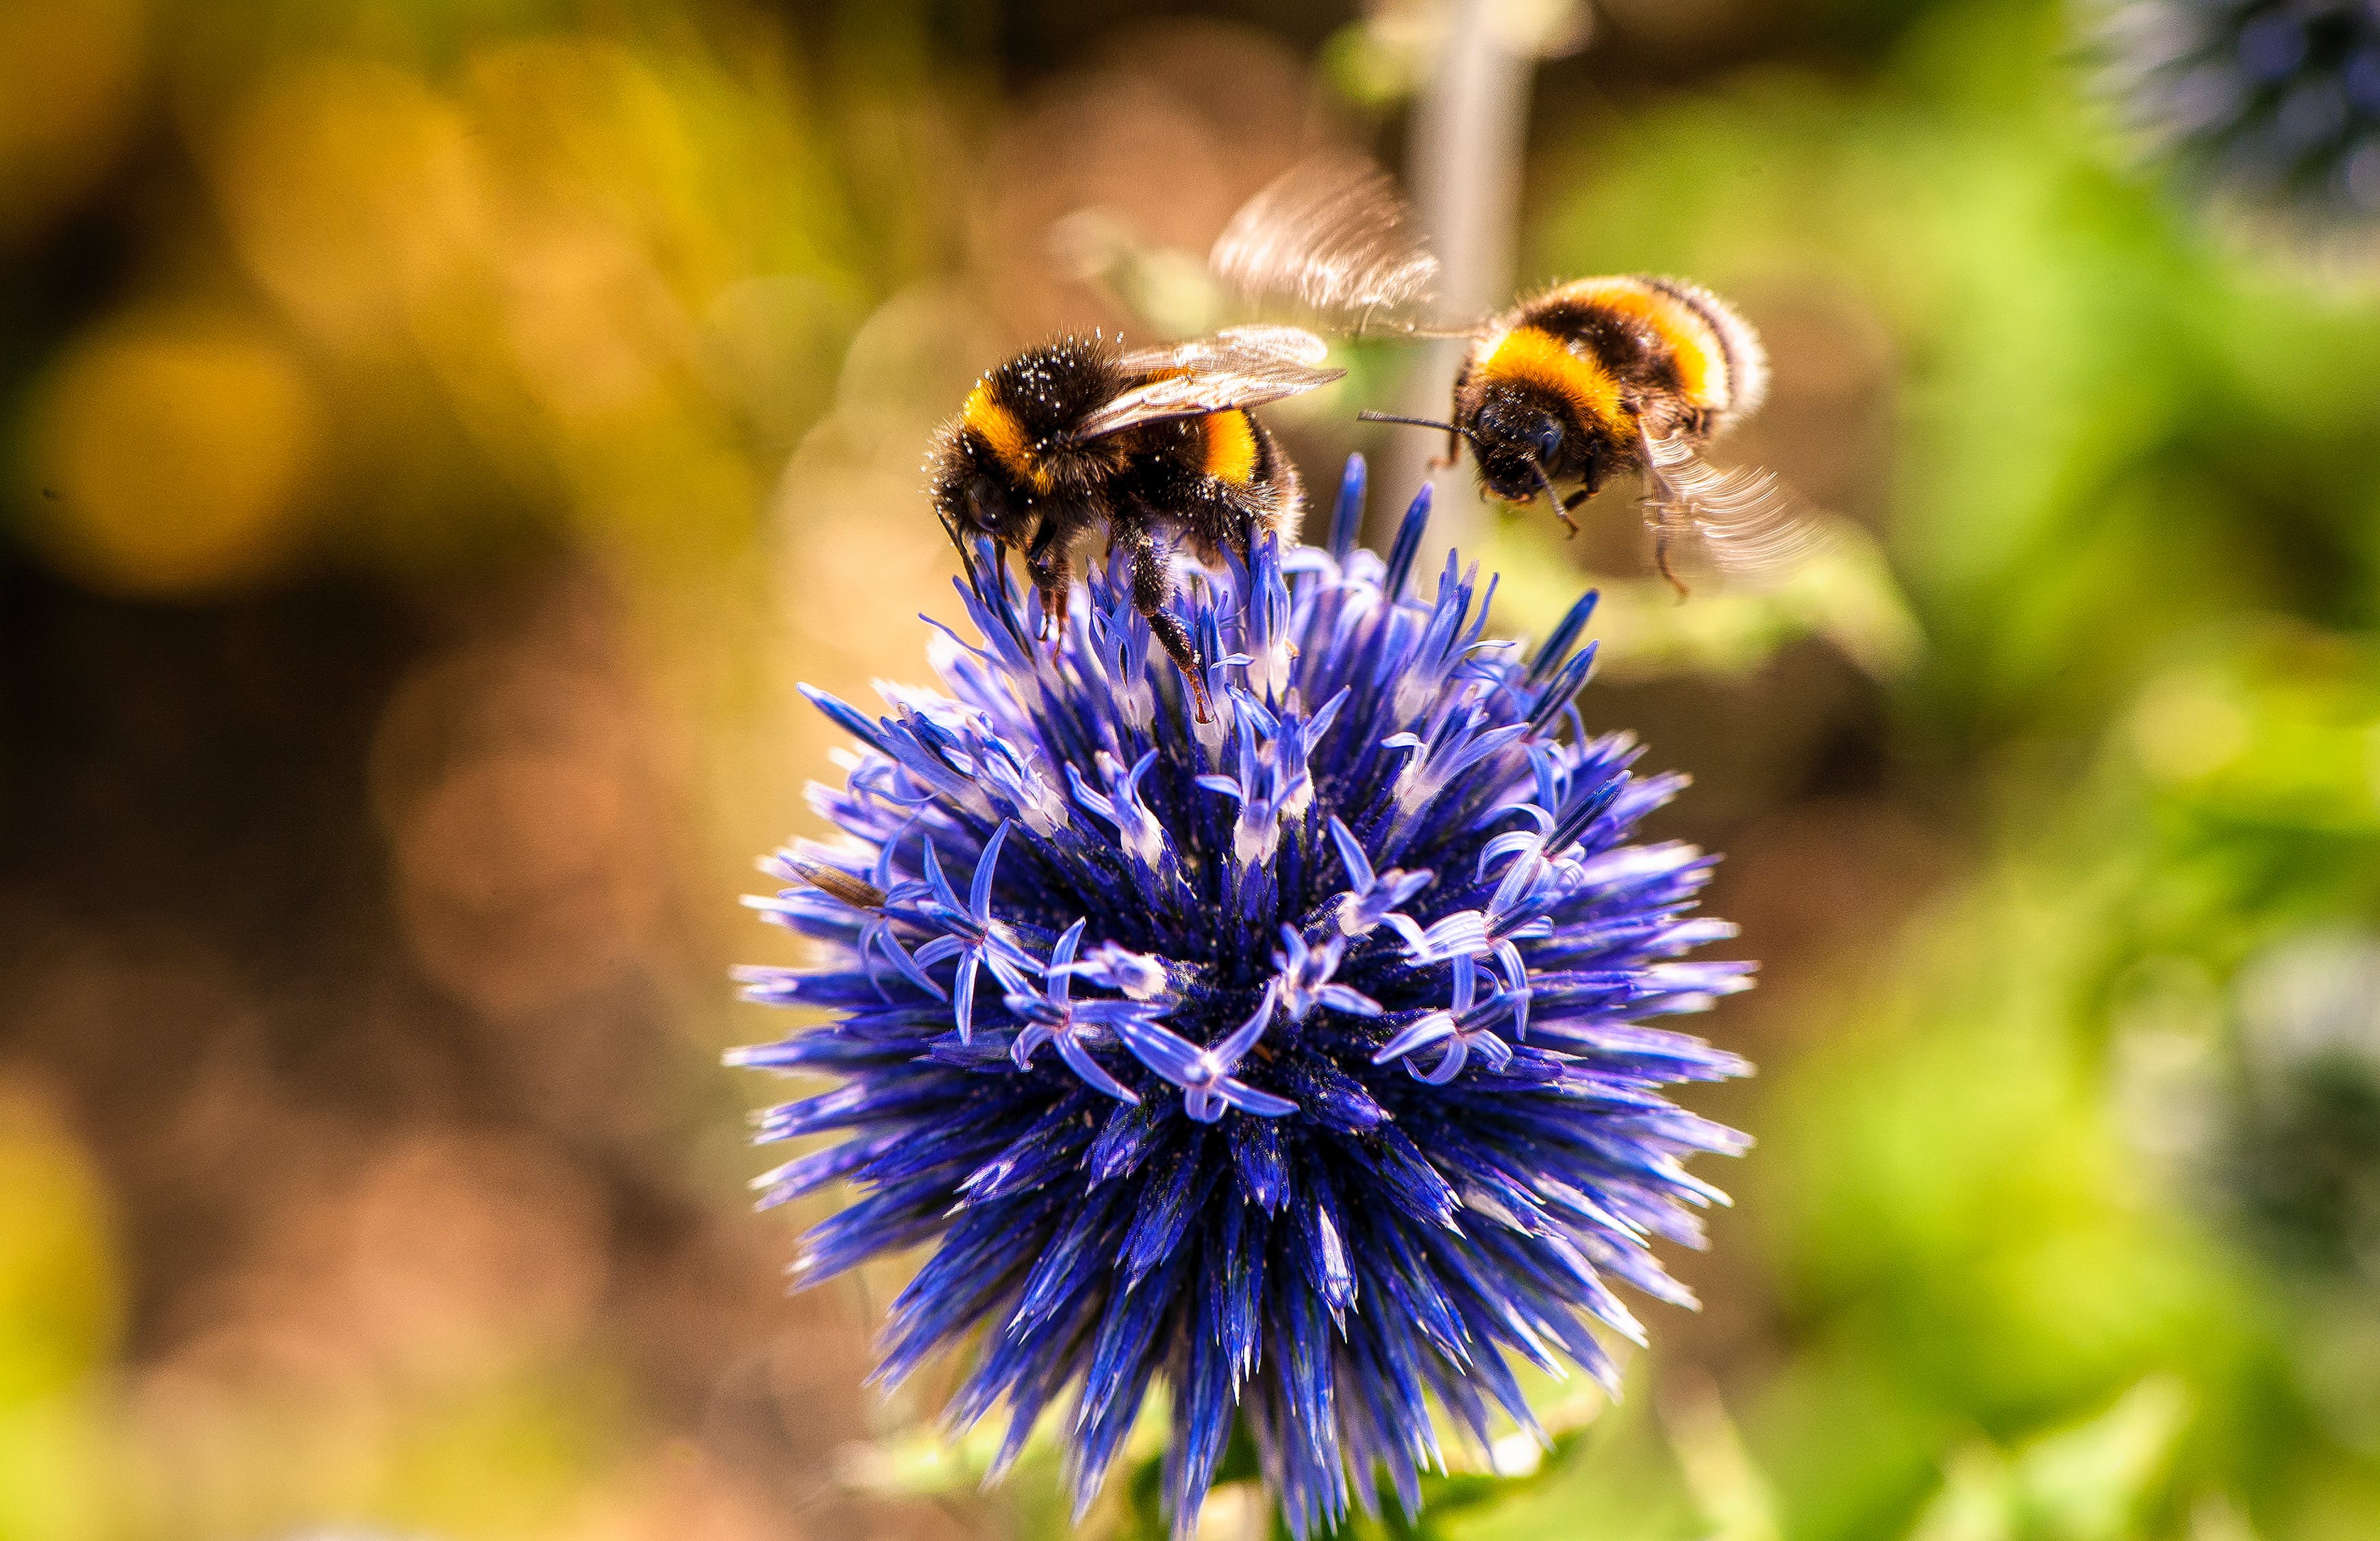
{"points": [[1295, 1061], [2275, 104]]}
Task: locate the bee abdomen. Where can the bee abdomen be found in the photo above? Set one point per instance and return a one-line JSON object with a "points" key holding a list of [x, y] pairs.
{"points": [[1744, 360], [1231, 448], [1718, 369]]}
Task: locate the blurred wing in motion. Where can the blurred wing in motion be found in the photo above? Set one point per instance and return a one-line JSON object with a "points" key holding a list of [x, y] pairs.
{"points": [[1335, 236], [1247, 366], [1237, 345], [1742, 523]]}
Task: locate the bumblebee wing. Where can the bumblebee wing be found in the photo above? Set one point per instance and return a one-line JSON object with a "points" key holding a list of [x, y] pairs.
{"points": [[1332, 235], [1247, 366], [1236, 347], [1740, 522]]}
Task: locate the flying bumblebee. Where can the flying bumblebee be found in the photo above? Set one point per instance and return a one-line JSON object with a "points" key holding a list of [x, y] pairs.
{"points": [[1156, 444], [1591, 379]]}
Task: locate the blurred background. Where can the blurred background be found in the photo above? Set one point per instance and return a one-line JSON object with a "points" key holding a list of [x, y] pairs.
{"points": [[436, 435]]}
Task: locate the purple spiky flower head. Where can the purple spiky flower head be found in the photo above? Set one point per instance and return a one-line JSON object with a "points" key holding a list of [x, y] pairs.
{"points": [[2274, 104], [1294, 1061]]}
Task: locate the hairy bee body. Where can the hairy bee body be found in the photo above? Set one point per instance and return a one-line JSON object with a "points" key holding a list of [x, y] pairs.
{"points": [[1573, 384], [1589, 378], [1032, 461]]}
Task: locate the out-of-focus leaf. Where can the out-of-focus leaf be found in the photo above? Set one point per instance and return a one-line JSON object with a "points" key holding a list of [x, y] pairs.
{"points": [[1727, 1489], [1845, 595], [2092, 1481]]}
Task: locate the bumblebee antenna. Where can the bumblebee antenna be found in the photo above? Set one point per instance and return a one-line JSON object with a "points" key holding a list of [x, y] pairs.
{"points": [[958, 542], [1417, 422], [983, 568]]}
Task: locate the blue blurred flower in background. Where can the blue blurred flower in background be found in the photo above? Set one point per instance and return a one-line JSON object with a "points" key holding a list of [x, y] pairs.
{"points": [[1292, 1059], [2274, 102], [2296, 1153]]}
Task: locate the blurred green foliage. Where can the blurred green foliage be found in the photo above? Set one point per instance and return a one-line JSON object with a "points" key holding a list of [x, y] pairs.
{"points": [[2136, 503]]}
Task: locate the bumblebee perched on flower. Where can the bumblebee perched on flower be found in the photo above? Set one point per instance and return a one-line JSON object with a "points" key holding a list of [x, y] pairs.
{"points": [[1157, 445], [1593, 377]]}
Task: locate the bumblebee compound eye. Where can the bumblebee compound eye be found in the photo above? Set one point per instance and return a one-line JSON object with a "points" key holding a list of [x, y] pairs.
{"points": [[988, 504]]}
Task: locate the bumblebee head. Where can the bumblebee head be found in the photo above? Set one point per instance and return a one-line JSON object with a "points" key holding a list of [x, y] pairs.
{"points": [[1007, 454], [977, 495], [1526, 439]]}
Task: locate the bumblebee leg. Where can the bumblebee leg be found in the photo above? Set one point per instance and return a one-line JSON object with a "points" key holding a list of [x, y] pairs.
{"points": [[1053, 612], [1052, 568], [1661, 535], [1670, 515], [1152, 585]]}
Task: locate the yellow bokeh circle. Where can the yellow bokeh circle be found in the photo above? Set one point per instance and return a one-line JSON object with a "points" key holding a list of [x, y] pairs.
{"points": [[174, 458]]}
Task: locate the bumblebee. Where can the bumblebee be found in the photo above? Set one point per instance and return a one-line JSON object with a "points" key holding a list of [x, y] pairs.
{"points": [[1591, 378], [1158, 445]]}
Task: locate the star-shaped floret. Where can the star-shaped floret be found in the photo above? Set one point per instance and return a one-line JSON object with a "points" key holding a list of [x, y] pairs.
{"points": [[970, 933], [1052, 1016], [1206, 1075]]}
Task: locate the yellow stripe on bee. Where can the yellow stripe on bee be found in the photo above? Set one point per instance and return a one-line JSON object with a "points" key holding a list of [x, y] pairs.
{"points": [[1691, 339], [1538, 358], [999, 431], [1231, 447]]}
